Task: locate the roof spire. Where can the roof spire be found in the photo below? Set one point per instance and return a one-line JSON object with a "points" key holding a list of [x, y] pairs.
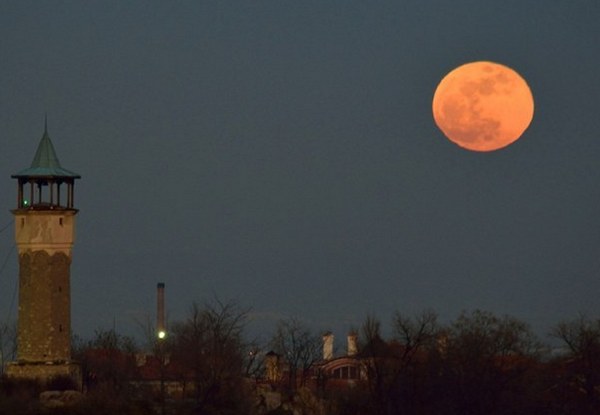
{"points": [[45, 162], [45, 156]]}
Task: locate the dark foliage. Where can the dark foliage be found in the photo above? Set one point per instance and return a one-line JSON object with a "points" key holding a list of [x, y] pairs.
{"points": [[107, 361], [210, 351], [299, 348], [19, 397], [62, 383], [478, 364]]}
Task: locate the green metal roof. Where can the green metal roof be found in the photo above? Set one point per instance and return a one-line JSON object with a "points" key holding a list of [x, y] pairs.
{"points": [[45, 162]]}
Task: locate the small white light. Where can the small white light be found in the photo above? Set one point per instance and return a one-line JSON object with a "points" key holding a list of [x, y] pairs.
{"points": [[162, 334]]}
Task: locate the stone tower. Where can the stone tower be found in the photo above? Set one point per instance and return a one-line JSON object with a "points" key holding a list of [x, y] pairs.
{"points": [[44, 233]]}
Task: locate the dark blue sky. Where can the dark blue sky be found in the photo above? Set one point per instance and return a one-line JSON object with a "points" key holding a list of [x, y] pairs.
{"points": [[283, 154]]}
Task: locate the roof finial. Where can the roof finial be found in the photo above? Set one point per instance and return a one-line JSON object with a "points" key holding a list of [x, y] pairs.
{"points": [[45, 123]]}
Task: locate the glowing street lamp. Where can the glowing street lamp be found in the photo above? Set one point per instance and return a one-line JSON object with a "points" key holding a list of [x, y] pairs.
{"points": [[160, 311], [161, 333]]}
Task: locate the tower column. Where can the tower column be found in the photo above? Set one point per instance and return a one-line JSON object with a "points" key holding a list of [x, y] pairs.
{"points": [[44, 234], [44, 240]]}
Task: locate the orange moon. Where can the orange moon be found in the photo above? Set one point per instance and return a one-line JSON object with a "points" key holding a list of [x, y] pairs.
{"points": [[483, 106]]}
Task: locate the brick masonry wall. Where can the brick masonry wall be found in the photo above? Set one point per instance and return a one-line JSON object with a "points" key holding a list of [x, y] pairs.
{"points": [[45, 372], [44, 307]]}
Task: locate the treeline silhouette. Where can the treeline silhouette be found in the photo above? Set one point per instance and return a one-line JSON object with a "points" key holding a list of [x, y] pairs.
{"points": [[480, 363]]}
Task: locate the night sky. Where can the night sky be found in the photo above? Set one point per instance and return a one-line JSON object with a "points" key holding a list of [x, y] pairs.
{"points": [[283, 154]]}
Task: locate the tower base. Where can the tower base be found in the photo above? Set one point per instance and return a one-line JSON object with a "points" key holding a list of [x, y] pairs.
{"points": [[44, 372]]}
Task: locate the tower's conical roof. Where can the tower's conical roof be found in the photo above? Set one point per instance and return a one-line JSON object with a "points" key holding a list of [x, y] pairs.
{"points": [[45, 162]]}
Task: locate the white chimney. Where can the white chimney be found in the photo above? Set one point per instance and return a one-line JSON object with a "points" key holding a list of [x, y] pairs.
{"points": [[328, 346], [352, 344]]}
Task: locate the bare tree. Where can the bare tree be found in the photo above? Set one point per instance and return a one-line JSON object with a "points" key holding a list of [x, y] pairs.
{"points": [[416, 334], [298, 346], [371, 329], [418, 341], [581, 337], [487, 362], [108, 360], [381, 366], [208, 347], [393, 367]]}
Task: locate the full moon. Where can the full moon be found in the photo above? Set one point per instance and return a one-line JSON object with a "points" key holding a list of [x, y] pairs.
{"points": [[483, 106]]}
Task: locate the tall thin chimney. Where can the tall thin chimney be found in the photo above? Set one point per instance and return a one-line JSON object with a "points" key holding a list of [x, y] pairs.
{"points": [[328, 346], [352, 343], [161, 329]]}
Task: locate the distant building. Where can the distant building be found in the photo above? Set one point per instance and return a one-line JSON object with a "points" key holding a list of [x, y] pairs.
{"points": [[333, 371], [340, 371], [44, 232]]}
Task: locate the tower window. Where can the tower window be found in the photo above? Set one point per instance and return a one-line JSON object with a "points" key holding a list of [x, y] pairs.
{"points": [[60, 328], [60, 221]]}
